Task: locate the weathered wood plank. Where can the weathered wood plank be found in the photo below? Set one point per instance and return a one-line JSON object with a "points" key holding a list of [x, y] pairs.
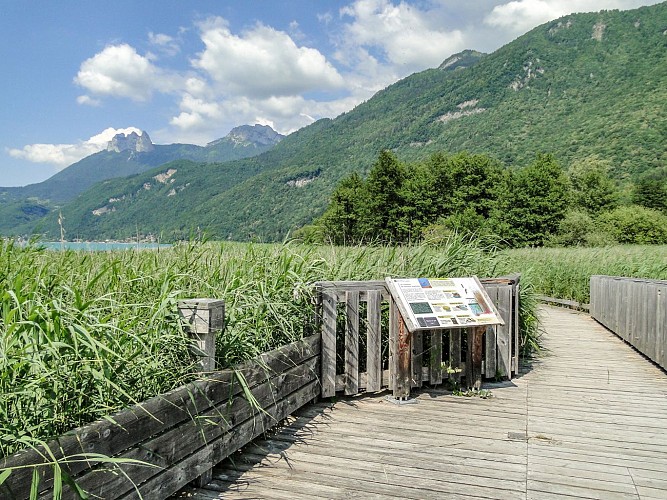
{"points": [[474, 357], [374, 341], [504, 335], [491, 353], [435, 358], [455, 355], [417, 359], [404, 352], [352, 343], [394, 316], [329, 317], [516, 325], [661, 326]]}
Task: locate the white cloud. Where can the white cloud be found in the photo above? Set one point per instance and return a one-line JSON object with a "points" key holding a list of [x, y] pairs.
{"points": [[63, 155], [402, 34], [520, 16], [262, 62], [88, 101], [119, 71], [166, 44]]}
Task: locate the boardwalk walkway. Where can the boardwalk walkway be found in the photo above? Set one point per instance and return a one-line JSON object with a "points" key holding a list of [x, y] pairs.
{"points": [[587, 420]]}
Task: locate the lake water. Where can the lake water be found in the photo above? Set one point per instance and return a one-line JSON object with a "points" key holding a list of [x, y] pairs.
{"points": [[92, 246]]}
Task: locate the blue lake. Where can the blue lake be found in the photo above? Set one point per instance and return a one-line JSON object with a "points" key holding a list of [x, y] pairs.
{"points": [[93, 246]]}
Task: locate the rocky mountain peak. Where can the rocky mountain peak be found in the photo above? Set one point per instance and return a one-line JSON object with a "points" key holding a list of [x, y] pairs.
{"points": [[259, 135], [132, 141], [460, 60]]}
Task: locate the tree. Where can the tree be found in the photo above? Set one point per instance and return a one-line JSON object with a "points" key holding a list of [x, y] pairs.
{"points": [[592, 189], [380, 217], [536, 199], [651, 192], [340, 222]]}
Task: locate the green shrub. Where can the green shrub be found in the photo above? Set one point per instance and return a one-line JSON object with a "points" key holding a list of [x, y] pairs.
{"points": [[635, 225], [578, 228]]}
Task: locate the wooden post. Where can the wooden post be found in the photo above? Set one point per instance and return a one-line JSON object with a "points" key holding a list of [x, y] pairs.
{"points": [[206, 317], [474, 357], [402, 387], [455, 356], [329, 316], [352, 343]]}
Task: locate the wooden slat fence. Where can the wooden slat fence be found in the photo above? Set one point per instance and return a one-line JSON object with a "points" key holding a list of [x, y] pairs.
{"points": [[635, 310], [180, 435], [360, 348]]}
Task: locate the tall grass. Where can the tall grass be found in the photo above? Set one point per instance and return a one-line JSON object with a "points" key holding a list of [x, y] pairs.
{"points": [[565, 272], [85, 334]]}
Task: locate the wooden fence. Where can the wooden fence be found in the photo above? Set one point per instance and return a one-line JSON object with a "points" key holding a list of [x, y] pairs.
{"points": [[360, 348], [179, 436], [634, 309]]}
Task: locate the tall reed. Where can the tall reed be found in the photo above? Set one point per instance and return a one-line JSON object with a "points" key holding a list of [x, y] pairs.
{"points": [[565, 272], [84, 334]]}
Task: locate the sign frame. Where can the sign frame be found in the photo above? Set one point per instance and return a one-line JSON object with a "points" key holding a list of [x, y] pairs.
{"points": [[472, 295]]}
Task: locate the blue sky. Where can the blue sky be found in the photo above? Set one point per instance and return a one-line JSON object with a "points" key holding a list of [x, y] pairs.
{"points": [[75, 73]]}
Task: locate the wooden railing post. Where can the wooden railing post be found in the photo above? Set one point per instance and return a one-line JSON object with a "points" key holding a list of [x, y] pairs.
{"points": [[205, 318]]}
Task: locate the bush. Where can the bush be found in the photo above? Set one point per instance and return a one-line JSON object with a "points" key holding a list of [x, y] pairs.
{"points": [[578, 228], [635, 224]]}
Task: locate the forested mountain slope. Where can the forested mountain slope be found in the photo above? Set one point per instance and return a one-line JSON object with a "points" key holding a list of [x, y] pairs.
{"points": [[586, 85]]}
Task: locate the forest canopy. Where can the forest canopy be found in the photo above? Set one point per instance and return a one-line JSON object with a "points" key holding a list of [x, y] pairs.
{"points": [[534, 205]]}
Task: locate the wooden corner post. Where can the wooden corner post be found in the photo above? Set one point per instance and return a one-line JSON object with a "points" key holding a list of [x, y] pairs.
{"points": [[205, 318]]}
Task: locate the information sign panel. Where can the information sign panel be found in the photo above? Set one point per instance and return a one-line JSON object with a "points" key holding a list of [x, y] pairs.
{"points": [[428, 303]]}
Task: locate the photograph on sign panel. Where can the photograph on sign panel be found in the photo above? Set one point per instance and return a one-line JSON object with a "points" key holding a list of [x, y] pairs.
{"points": [[421, 308]]}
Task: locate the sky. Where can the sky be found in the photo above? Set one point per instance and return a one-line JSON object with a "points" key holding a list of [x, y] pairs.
{"points": [[76, 73]]}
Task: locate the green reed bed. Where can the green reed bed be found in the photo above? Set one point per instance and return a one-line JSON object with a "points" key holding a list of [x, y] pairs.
{"points": [[84, 334], [565, 272]]}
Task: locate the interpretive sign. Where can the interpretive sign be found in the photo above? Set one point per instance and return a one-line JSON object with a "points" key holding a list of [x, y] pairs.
{"points": [[428, 303]]}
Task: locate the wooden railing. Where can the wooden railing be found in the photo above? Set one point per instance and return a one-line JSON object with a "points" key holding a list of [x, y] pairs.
{"points": [[360, 351], [634, 309], [179, 436]]}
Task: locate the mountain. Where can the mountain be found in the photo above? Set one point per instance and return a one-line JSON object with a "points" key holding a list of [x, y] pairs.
{"points": [[133, 153], [583, 86]]}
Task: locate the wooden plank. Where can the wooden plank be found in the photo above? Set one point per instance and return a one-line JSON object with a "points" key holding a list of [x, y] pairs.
{"points": [[393, 344], [474, 357], [503, 335], [404, 352], [651, 337], [363, 380], [455, 355], [352, 343], [516, 325], [490, 352], [661, 326], [435, 358], [374, 341], [329, 317], [417, 359]]}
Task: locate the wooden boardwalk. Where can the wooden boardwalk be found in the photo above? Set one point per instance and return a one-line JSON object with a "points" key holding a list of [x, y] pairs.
{"points": [[588, 419]]}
